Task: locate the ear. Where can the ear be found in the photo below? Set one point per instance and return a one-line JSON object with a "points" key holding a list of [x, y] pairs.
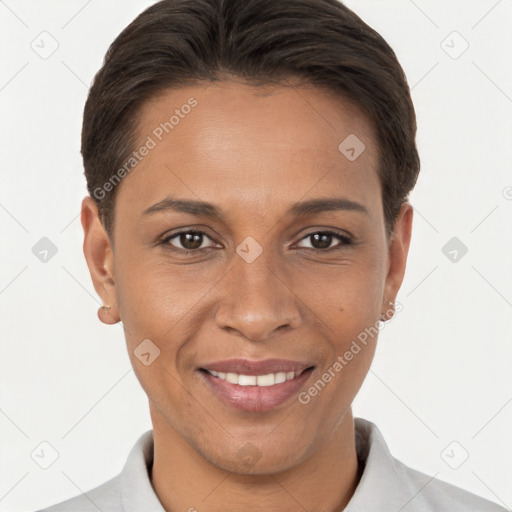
{"points": [[100, 260], [398, 250]]}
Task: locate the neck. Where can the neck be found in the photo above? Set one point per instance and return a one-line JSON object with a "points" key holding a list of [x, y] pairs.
{"points": [[184, 480]]}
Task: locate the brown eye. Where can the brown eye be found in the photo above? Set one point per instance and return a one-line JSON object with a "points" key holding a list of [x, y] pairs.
{"points": [[322, 240], [187, 241], [191, 240]]}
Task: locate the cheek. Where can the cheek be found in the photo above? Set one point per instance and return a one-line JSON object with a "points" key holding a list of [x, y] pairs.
{"points": [[347, 302], [154, 295], [345, 296], [161, 303], [153, 306]]}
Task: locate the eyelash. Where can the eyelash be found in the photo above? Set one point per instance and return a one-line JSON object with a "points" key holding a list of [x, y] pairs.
{"points": [[346, 241]]}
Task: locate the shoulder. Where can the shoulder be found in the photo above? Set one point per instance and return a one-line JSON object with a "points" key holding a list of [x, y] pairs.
{"points": [[388, 484], [129, 490], [431, 494], [106, 496]]}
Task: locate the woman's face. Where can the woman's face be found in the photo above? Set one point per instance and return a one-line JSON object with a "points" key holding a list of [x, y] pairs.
{"points": [[263, 273]]}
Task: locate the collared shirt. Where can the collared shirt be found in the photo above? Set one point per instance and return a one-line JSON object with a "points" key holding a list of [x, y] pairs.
{"points": [[386, 484]]}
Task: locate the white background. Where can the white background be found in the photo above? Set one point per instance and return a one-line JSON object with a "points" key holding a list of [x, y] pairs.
{"points": [[442, 368]]}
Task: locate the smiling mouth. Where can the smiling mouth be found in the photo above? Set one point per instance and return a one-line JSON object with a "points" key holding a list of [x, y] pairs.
{"points": [[256, 393], [269, 379]]}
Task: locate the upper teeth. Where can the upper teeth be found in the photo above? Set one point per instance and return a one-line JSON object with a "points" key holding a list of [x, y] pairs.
{"points": [[255, 380]]}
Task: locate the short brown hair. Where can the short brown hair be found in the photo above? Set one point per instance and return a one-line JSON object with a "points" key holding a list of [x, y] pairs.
{"points": [[175, 43]]}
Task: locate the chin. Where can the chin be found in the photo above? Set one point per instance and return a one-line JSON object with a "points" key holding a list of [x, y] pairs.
{"points": [[251, 460]]}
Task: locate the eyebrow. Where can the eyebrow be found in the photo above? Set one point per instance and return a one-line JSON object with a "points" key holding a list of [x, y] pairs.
{"points": [[300, 209]]}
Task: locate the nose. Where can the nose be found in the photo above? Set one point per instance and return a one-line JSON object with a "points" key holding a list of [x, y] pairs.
{"points": [[257, 300]]}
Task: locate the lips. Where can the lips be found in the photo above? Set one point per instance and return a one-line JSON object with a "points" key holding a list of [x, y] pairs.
{"points": [[251, 397], [262, 367]]}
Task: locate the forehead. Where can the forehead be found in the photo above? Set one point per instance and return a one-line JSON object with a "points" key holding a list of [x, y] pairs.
{"points": [[253, 143]]}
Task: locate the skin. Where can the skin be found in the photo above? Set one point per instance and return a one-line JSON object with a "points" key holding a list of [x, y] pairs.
{"points": [[252, 152]]}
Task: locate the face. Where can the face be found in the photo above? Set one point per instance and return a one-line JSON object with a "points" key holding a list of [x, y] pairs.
{"points": [[247, 243]]}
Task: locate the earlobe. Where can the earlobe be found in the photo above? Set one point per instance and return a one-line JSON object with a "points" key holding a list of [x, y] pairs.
{"points": [[105, 315], [100, 260], [398, 251], [389, 313]]}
